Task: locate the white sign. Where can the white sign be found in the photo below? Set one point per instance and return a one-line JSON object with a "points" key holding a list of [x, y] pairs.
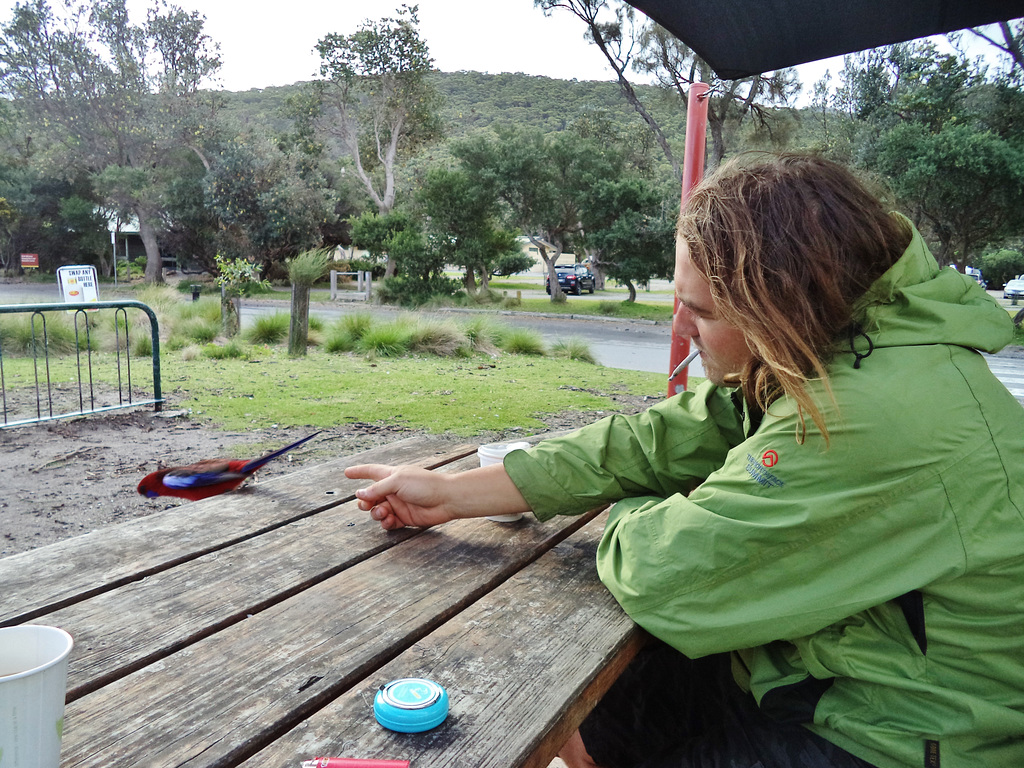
{"points": [[78, 283]]}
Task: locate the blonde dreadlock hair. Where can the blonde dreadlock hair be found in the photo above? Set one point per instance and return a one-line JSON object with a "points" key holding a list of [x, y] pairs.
{"points": [[787, 244]]}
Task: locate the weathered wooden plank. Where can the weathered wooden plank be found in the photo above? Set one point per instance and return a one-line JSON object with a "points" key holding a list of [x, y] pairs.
{"points": [[522, 667], [42, 580], [127, 628], [218, 700]]}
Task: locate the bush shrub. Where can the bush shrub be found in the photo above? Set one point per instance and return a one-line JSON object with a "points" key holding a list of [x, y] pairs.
{"points": [[1000, 266], [404, 291]]}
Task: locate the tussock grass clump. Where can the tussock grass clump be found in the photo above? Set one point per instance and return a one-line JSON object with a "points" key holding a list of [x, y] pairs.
{"points": [[57, 334], [523, 341], [199, 330], [60, 333], [484, 334], [344, 335], [142, 345], [207, 308], [387, 340], [269, 329], [175, 344], [573, 348], [162, 299], [438, 337], [309, 266], [355, 325], [338, 340], [232, 350], [118, 329]]}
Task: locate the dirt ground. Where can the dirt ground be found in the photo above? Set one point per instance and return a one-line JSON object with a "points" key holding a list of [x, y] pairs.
{"points": [[69, 477]]}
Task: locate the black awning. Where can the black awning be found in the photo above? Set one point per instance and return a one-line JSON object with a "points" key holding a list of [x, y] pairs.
{"points": [[739, 38]]}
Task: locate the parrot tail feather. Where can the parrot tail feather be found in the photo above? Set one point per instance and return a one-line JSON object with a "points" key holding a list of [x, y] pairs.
{"points": [[255, 464]]}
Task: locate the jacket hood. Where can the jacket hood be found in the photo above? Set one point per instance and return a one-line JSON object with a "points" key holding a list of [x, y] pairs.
{"points": [[917, 302]]}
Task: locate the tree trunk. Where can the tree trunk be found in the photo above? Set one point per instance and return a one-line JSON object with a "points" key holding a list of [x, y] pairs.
{"points": [[154, 264], [298, 328], [596, 268], [632, 291], [230, 314], [557, 295]]}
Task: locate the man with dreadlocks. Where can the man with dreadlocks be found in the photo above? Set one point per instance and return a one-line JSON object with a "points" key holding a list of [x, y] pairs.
{"points": [[827, 536]]}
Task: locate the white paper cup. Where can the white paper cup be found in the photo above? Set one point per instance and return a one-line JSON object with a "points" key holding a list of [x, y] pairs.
{"points": [[33, 684], [494, 453]]}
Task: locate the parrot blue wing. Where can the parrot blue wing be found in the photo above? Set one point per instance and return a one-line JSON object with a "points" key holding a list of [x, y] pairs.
{"points": [[199, 479]]}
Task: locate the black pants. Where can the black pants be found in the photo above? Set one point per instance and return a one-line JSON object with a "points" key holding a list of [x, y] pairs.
{"points": [[668, 711]]}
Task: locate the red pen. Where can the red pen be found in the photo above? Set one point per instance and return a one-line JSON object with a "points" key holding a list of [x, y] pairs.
{"points": [[352, 762]]}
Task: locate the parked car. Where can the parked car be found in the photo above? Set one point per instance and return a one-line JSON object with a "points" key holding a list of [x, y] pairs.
{"points": [[1014, 289], [976, 274], [574, 278]]}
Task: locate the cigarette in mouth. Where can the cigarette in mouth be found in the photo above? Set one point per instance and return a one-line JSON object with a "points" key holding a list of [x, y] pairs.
{"points": [[686, 361]]}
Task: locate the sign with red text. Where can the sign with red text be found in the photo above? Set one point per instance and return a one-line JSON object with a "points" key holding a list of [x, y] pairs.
{"points": [[78, 283]]}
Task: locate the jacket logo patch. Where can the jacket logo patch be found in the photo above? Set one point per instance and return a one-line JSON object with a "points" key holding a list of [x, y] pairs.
{"points": [[759, 470]]}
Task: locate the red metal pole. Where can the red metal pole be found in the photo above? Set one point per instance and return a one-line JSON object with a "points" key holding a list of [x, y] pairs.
{"points": [[693, 172]]}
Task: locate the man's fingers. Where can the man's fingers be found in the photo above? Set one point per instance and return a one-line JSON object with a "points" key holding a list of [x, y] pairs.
{"points": [[372, 494], [380, 511], [369, 471]]}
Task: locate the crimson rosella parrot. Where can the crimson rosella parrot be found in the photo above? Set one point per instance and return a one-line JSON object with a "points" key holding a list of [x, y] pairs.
{"points": [[208, 477]]}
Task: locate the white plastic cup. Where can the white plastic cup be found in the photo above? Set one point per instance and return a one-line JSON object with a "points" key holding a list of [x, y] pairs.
{"points": [[33, 685], [495, 453]]}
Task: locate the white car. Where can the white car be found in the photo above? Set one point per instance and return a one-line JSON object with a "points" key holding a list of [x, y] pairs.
{"points": [[1014, 289]]}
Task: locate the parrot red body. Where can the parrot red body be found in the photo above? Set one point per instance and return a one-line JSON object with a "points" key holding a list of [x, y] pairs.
{"points": [[206, 478]]}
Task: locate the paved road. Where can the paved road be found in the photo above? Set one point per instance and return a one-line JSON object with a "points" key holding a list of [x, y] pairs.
{"points": [[1010, 371], [645, 347]]}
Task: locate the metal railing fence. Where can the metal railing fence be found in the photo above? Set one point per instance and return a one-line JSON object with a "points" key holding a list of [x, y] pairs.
{"points": [[39, 350]]}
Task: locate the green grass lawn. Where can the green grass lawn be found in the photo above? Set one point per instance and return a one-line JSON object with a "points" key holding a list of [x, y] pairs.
{"points": [[265, 387], [460, 396]]}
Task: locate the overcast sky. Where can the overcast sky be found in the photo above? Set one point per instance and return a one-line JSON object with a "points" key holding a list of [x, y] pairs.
{"points": [[264, 43]]}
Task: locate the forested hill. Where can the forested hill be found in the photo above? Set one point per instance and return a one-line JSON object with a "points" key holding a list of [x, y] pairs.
{"points": [[475, 100]]}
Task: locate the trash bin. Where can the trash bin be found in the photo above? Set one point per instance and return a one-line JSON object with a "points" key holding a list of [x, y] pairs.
{"points": [[195, 291]]}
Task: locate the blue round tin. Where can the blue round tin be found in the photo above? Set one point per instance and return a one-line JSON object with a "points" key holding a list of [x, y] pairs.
{"points": [[410, 705]]}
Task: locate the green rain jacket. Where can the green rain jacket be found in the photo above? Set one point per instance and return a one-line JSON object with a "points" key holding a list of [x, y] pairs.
{"points": [[872, 588]]}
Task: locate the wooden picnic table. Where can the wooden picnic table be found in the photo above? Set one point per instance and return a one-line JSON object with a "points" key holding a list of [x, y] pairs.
{"points": [[254, 628]]}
